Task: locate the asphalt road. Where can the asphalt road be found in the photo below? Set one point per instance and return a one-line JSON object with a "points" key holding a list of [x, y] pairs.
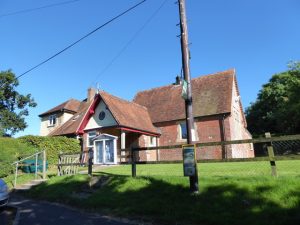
{"points": [[31, 212], [7, 215]]}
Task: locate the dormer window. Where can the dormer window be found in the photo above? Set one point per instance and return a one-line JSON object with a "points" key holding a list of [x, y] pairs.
{"points": [[51, 121]]}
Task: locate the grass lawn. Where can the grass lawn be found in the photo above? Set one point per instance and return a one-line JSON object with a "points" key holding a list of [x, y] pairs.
{"points": [[24, 178], [230, 193]]}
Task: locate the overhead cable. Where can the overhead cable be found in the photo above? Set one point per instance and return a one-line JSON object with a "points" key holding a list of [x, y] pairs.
{"points": [[37, 8], [130, 41], [79, 40]]}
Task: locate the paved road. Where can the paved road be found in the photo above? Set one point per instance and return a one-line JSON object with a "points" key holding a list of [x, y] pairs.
{"points": [[7, 215], [33, 212]]}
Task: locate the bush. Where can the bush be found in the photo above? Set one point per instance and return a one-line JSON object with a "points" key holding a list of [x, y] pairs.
{"points": [[12, 150], [53, 145]]}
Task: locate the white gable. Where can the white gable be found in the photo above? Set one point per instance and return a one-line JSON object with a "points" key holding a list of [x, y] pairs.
{"points": [[107, 121]]}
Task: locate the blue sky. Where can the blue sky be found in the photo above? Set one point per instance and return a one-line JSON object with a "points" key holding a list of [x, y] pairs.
{"points": [[256, 37]]}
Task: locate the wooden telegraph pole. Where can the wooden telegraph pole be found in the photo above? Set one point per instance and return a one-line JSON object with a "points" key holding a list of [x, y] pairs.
{"points": [[188, 100]]}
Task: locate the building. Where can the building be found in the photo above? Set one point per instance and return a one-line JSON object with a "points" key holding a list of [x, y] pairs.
{"points": [[155, 117]]}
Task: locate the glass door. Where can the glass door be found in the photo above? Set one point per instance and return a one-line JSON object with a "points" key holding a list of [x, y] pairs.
{"points": [[109, 151], [99, 152], [105, 151]]}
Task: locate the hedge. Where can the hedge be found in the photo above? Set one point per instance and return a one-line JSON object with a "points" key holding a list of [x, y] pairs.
{"points": [[53, 145], [12, 150]]}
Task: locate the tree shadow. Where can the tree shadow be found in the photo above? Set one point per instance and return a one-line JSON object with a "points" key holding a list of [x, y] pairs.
{"points": [[170, 202]]}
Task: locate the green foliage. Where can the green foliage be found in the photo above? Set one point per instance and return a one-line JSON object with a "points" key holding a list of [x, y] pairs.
{"points": [[12, 150], [53, 145], [277, 107], [13, 106]]}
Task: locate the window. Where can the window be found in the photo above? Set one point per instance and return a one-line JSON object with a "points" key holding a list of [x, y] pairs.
{"points": [[51, 121], [91, 136], [152, 141], [183, 130]]}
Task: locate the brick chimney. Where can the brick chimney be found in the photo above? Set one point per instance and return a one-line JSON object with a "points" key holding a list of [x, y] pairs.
{"points": [[91, 94]]}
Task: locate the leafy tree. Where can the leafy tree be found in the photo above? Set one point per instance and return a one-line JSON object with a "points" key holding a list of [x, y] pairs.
{"points": [[277, 107], [13, 106]]}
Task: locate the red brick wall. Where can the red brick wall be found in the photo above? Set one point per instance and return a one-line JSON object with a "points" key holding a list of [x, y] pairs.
{"points": [[207, 130]]}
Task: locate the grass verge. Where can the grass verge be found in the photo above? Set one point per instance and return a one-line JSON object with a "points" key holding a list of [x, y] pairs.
{"points": [[161, 194]]}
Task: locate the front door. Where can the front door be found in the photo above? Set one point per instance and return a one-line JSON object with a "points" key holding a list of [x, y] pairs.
{"points": [[105, 151]]}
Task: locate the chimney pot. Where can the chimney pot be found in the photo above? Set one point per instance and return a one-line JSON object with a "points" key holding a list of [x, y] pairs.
{"points": [[91, 94]]}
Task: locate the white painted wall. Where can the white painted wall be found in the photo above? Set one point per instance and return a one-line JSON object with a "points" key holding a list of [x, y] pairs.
{"points": [[94, 122], [61, 118], [237, 128]]}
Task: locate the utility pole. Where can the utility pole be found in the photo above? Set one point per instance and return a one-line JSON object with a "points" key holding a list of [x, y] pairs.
{"points": [[188, 101]]}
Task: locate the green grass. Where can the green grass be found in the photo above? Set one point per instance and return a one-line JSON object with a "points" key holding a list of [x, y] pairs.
{"points": [[24, 178], [230, 193]]}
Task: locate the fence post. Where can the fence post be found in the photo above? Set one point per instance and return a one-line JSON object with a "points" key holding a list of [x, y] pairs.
{"points": [[16, 175], [59, 166], [133, 165], [44, 164], [36, 162], [91, 159], [271, 156]]}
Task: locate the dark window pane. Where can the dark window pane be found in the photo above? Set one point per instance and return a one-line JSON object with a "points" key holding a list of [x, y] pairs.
{"points": [[183, 130]]}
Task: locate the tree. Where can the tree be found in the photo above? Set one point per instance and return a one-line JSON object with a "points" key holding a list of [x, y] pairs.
{"points": [[277, 107], [13, 106]]}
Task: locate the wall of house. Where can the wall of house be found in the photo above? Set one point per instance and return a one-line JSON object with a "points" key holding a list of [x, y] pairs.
{"points": [[208, 129], [95, 122], [238, 130], [148, 155], [61, 117]]}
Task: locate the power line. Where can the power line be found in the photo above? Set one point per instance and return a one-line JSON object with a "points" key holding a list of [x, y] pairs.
{"points": [[38, 8], [85, 36], [130, 41]]}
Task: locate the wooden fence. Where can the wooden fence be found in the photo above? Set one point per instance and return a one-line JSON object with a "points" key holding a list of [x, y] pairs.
{"points": [[268, 140], [68, 163]]}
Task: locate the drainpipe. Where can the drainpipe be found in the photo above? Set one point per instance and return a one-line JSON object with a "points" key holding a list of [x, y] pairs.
{"points": [[223, 137]]}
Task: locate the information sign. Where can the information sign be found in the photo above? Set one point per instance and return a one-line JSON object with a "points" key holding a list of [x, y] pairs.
{"points": [[189, 160]]}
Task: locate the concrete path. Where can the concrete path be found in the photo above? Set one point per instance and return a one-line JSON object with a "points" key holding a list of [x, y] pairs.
{"points": [[31, 212]]}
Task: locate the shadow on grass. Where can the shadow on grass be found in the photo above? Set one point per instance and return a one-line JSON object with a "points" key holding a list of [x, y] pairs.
{"points": [[169, 202]]}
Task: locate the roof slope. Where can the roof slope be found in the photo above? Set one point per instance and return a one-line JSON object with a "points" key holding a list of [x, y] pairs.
{"points": [[212, 95], [71, 126], [71, 105], [128, 114]]}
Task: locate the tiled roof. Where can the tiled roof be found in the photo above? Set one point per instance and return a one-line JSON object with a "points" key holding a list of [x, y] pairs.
{"points": [[71, 105], [212, 95], [73, 123], [128, 114]]}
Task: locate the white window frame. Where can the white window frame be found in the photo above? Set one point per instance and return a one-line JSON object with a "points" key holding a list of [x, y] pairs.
{"points": [[152, 141], [104, 152], [52, 120], [90, 135]]}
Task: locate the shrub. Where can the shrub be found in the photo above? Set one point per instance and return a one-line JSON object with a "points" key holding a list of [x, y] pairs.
{"points": [[12, 150], [53, 145]]}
